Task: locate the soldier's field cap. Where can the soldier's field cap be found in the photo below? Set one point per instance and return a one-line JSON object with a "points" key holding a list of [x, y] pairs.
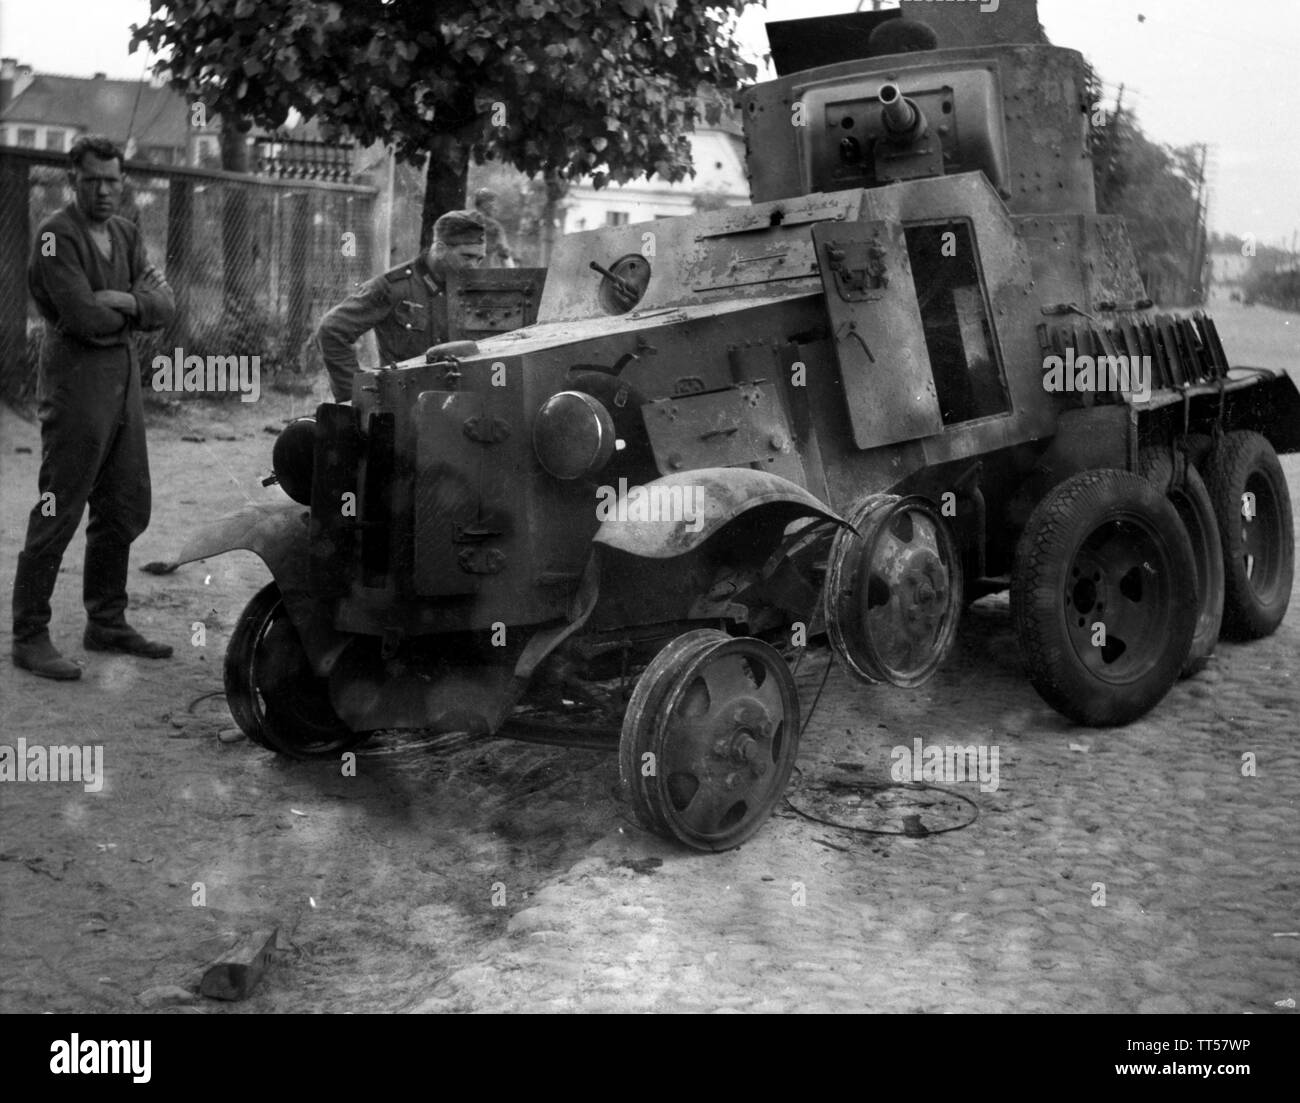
{"points": [[459, 228]]}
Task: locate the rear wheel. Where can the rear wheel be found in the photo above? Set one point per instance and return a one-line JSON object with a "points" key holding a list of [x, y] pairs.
{"points": [[274, 695], [1103, 613], [709, 739], [1192, 501], [1253, 508]]}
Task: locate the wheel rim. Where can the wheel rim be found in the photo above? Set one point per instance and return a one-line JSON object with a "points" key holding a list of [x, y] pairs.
{"points": [[894, 593], [1121, 577], [276, 698], [1259, 547], [726, 740], [721, 717]]}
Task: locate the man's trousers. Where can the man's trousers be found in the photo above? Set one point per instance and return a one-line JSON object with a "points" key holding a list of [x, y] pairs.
{"points": [[93, 454]]}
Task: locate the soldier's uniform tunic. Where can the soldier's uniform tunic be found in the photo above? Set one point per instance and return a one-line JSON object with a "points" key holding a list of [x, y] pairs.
{"points": [[405, 307], [92, 419]]}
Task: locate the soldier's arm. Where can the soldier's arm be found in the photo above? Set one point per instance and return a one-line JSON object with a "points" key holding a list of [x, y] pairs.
{"points": [[344, 324], [155, 302], [56, 270]]}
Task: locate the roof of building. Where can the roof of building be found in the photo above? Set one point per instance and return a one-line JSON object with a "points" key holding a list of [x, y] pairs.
{"points": [[115, 108]]}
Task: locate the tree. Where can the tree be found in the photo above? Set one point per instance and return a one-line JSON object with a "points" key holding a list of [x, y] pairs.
{"points": [[1155, 188], [562, 88]]}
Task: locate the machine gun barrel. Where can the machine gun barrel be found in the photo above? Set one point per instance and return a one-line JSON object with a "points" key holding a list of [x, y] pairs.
{"points": [[621, 286], [904, 121]]}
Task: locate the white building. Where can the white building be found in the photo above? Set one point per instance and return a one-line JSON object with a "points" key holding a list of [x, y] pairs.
{"points": [[718, 152]]}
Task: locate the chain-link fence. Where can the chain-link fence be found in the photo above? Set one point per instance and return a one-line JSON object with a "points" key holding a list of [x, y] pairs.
{"points": [[254, 263]]}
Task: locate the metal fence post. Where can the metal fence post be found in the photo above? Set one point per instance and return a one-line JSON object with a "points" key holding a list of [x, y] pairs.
{"points": [[16, 381], [299, 327], [180, 253]]}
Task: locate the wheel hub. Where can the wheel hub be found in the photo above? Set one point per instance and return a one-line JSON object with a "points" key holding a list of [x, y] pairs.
{"points": [[1116, 602], [744, 739], [922, 593]]}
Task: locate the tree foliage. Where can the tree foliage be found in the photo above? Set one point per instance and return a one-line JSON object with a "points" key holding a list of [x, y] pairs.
{"points": [[1154, 187], [564, 88]]}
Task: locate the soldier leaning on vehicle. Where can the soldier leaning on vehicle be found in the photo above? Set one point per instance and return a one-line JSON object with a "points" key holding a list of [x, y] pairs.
{"points": [[406, 306]]}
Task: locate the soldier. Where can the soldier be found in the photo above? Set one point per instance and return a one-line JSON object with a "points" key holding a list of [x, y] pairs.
{"points": [[94, 286], [406, 306], [498, 248]]}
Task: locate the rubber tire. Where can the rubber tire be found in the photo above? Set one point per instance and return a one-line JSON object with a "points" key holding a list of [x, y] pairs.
{"points": [[1053, 536], [1195, 509], [1235, 460]]}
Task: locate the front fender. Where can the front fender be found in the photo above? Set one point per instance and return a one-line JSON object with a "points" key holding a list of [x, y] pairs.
{"points": [[673, 515], [274, 532], [278, 534]]}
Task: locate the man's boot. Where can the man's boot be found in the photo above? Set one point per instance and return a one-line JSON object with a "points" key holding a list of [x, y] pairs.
{"points": [[104, 591], [33, 585]]}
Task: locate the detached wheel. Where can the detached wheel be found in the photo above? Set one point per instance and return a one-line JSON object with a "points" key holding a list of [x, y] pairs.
{"points": [[709, 739], [1191, 500], [1100, 599], [1253, 507], [275, 697]]}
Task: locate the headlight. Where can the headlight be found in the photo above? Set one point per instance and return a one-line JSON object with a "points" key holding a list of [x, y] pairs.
{"points": [[573, 435], [293, 457]]}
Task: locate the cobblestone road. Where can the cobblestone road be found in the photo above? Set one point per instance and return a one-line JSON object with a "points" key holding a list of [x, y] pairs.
{"points": [[385, 885]]}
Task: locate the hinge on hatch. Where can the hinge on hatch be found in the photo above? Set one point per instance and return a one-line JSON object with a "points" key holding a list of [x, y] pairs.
{"points": [[858, 268]]}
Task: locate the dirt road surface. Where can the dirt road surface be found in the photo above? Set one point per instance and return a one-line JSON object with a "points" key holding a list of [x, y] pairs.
{"points": [[1124, 870]]}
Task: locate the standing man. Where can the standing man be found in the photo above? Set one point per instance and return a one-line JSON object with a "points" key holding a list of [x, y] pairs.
{"points": [[498, 247], [406, 306], [94, 287]]}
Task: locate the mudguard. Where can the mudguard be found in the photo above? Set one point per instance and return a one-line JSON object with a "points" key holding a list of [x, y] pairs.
{"points": [[673, 515], [278, 535]]}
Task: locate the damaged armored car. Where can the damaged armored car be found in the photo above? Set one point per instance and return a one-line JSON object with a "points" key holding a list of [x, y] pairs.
{"points": [[917, 369]]}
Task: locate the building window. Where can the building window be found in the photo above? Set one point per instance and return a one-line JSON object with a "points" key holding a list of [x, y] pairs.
{"points": [[616, 218], [54, 140], [26, 137]]}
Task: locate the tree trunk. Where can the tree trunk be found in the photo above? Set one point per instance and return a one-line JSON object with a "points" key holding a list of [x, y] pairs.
{"points": [[556, 189], [446, 180]]}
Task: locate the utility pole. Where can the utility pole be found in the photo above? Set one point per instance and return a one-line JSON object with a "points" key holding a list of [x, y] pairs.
{"points": [[1196, 252]]}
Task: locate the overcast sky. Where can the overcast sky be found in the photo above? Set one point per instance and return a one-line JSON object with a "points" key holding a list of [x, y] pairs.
{"points": [[1194, 70]]}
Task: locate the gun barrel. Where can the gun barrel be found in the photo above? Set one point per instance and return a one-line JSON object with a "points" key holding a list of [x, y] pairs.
{"points": [[902, 117]]}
